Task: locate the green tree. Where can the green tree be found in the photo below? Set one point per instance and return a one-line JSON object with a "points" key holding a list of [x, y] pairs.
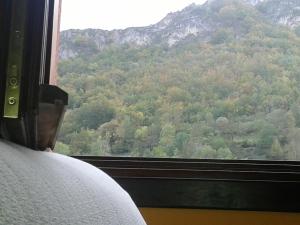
{"points": [[207, 152], [277, 152], [81, 142], [266, 136], [93, 115], [62, 148], [224, 153]]}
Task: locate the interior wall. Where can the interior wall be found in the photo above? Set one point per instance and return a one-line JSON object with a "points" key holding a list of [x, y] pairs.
{"points": [[155, 216]]}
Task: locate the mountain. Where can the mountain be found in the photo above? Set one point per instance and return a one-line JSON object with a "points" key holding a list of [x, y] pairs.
{"points": [[218, 80], [194, 21], [254, 2], [281, 12], [251, 2]]}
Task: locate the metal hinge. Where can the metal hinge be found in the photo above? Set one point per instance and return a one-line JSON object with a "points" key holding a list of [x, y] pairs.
{"points": [[15, 59]]}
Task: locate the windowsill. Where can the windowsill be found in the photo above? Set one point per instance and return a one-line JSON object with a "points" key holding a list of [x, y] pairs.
{"points": [[206, 184]]}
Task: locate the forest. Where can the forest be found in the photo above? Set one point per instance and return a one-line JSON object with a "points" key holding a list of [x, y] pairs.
{"points": [[233, 96]]}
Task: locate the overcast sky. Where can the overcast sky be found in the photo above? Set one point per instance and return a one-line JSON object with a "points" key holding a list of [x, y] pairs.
{"points": [[117, 14]]}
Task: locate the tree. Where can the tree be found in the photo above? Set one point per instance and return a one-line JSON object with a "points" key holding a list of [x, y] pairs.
{"points": [[277, 152], [266, 136], [222, 36], [62, 148], [217, 142], [160, 152], [81, 142], [167, 139], [224, 153], [94, 114], [100, 147], [207, 152], [297, 30], [292, 148]]}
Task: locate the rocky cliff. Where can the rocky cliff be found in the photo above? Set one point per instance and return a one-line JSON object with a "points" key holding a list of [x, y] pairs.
{"points": [[193, 22]]}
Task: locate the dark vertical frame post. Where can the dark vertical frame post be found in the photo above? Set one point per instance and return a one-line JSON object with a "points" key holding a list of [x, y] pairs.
{"points": [[27, 49], [33, 110], [5, 11]]}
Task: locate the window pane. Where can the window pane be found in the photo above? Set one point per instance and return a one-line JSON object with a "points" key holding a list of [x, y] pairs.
{"points": [[215, 79]]}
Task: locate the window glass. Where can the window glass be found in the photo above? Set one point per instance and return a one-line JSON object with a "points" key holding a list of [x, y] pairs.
{"points": [[212, 79]]}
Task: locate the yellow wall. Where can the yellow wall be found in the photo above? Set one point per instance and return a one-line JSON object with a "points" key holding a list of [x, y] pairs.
{"points": [[216, 217]]}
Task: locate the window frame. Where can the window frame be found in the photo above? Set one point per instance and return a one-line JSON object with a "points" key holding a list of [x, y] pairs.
{"points": [[206, 184], [191, 183]]}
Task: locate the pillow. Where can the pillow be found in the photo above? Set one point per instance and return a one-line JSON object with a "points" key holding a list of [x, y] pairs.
{"points": [[49, 188]]}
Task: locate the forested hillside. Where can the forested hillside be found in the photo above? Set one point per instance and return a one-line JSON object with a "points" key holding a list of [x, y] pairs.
{"points": [[228, 88]]}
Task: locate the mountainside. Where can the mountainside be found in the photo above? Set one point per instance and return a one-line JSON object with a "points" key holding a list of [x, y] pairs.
{"points": [[194, 21], [219, 80], [281, 12]]}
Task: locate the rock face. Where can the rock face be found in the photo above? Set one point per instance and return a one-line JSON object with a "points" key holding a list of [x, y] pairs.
{"points": [[254, 2], [282, 12], [194, 21], [190, 22]]}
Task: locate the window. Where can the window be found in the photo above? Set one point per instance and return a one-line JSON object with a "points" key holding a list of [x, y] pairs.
{"points": [[180, 95], [207, 80]]}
